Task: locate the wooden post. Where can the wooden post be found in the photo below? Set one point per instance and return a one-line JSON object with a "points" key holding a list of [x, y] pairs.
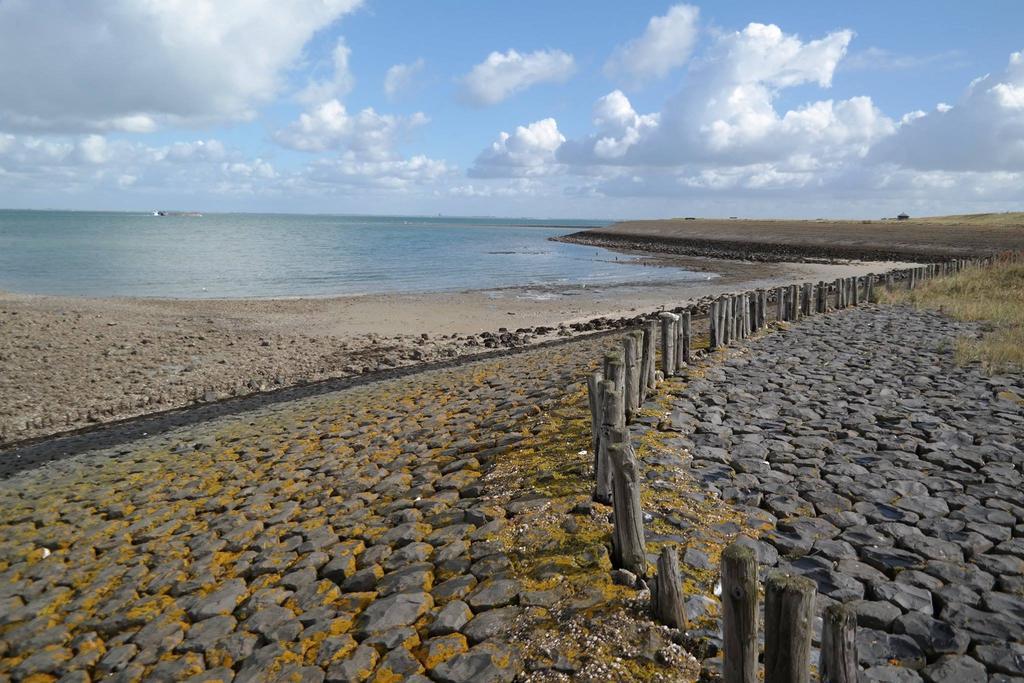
{"points": [[713, 326], [613, 415], [838, 662], [780, 303], [630, 345], [855, 287], [788, 614], [805, 300], [628, 546], [763, 304], [669, 607], [869, 295], [668, 344], [683, 342], [744, 301], [647, 362], [739, 615], [794, 304], [594, 398]]}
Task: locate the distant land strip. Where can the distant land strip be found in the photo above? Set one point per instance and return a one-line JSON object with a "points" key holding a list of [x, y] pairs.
{"points": [[923, 239]]}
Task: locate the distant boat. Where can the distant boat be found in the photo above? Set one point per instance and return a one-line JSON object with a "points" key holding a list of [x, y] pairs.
{"points": [[159, 213], [190, 214]]}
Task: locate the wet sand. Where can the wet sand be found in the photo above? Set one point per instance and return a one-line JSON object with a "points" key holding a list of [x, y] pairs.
{"points": [[66, 363]]}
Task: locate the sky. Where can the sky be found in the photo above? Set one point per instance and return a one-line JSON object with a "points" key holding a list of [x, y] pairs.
{"points": [[566, 109]]}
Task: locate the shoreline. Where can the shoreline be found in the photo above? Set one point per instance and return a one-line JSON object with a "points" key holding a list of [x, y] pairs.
{"points": [[71, 362]]}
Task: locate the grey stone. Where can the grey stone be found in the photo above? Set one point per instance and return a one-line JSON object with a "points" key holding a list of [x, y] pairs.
{"points": [[356, 668], [220, 601], [450, 619], [491, 594], [955, 669], [935, 637], [400, 609], [483, 663], [490, 624]]}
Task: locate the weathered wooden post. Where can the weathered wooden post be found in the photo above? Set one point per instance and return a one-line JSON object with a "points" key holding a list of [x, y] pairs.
{"points": [[594, 399], [713, 326], [737, 316], [668, 344], [739, 615], [683, 341], [647, 362], [788, 615], [838, 661], [855, 282], [762, 302], [794, 302], [780, 303], [869, 295], [807, 299], [630, 346], [838, 284], [669, 607], [822, 297], [628, 546], [744, 302], [613, 416], [726, 320], [911, 282]]}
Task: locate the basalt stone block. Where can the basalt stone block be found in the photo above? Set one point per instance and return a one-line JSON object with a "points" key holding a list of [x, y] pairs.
{"points": [[955, 669], [889, 560], [400, 609], [877, 648], [1006, 658], [891, 674], [450, 619], [490, 624], [223, 600], [935, 637], [483, 663], [491, 594], [876, 614], [455, 588], [357, 668]]}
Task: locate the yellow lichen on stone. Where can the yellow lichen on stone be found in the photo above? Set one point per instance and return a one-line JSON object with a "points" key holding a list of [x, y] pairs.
{"points": [[438, 650]]}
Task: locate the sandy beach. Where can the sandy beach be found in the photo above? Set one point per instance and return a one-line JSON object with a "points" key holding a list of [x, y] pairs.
{"points": [[66, 363]]}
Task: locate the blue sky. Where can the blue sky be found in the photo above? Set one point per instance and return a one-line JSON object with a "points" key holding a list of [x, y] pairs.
{"points": [[560, 109]]}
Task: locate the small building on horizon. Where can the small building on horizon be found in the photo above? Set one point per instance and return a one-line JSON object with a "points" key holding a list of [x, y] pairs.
{"points": [[902, 217]]}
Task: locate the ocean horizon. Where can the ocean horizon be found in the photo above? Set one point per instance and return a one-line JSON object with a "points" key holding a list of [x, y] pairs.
{"points": [[248, 255]]}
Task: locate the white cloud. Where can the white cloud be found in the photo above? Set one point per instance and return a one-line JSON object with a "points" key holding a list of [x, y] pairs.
{"points": [[94, 162], [665, 45], [339, 84], [502, 75], [726, 112], [330, 126], [880, 59], [94, 65], [982, 132], [529, 151], [401, 78], [350, 171]]}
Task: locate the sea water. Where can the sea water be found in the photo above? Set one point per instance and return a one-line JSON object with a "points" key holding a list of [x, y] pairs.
{"points": [[275, 255]]}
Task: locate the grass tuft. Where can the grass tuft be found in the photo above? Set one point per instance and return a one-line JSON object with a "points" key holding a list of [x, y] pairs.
{"points": [[993, 296]]}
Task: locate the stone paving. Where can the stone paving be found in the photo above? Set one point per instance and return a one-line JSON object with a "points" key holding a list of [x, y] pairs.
{"points": [[338, 538], [892, 476]]}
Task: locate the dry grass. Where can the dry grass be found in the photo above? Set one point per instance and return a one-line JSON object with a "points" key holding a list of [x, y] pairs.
{"points": [[993, 296]]}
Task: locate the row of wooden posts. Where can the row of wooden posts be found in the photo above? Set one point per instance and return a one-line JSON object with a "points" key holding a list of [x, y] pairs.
{"points": [[616, 392]]}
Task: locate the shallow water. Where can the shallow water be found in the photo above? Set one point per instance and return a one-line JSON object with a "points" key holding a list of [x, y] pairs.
{"points": [[273, 255]]}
